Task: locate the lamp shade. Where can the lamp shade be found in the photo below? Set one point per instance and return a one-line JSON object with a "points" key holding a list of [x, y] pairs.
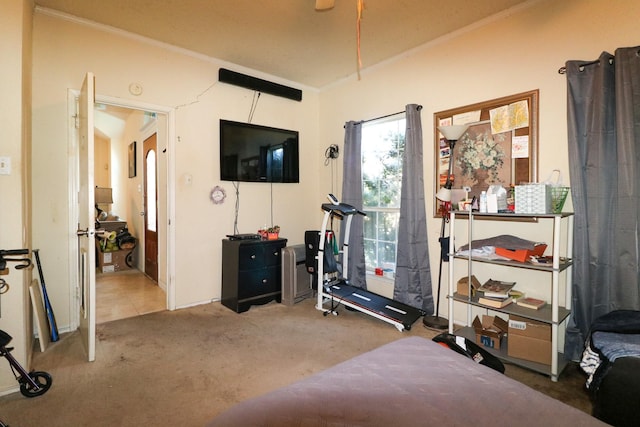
{"points": [[453, 132], [444, 194], [103, 196]]}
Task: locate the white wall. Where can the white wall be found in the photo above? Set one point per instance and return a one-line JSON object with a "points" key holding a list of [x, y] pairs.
{"points": [[521, 51], [65, 50]]}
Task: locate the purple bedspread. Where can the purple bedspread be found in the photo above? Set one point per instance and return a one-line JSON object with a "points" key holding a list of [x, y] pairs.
{"points": [[410, 382]]}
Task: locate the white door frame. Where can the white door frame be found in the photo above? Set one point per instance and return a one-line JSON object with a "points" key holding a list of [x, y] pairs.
{"points": [[72, 97]]}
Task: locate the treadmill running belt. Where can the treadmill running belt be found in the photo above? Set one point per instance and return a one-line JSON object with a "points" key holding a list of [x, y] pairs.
{"points": [[383, 306]]}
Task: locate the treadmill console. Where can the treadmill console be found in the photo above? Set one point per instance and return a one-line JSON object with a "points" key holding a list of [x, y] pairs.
{"points": [[333, 199]]}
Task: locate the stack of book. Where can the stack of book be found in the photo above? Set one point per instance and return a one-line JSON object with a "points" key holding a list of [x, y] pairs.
{"points": [[533, 303], [496, 293]]}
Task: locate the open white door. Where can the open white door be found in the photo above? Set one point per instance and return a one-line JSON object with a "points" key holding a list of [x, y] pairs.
{"points": [[86, 218]]}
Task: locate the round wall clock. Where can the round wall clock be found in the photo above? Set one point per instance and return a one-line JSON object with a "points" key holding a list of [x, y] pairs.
{"points": [[218, 195]]}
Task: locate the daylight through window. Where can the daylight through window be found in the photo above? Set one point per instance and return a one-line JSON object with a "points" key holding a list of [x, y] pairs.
{"points": [[382, 150]]}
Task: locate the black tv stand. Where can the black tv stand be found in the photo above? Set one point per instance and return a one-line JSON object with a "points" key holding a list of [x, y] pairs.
{"points": [[251, 272]]}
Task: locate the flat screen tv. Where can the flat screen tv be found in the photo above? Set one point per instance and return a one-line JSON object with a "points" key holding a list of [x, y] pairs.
{"points": [[254, 153]]}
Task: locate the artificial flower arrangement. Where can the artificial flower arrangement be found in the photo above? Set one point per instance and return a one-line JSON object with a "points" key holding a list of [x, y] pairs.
{"points": [[270, 233], [480, 153]]}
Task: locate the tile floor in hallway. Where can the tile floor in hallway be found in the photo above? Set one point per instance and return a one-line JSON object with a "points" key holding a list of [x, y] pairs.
{"points": [[126, 294]]}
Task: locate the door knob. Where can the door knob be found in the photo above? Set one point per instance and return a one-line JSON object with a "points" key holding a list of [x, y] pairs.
{"points": [[84, 232]]}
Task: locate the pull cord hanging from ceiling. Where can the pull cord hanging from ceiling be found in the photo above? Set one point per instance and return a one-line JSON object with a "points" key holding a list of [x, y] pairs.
{"points": [[359, 8], [323, 5]]}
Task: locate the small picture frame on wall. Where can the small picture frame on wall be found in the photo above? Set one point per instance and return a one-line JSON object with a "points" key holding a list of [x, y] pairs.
{"points": [[132, 160]]}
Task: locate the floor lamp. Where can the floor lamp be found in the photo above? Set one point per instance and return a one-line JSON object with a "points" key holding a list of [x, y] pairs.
{"points": [[452, 134]]}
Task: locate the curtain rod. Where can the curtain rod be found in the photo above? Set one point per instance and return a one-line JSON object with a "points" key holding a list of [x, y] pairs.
{"points": [[563, 70], [382, 117], [419, 107]]}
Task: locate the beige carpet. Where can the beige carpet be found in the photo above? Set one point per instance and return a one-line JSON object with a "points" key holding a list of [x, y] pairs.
{"points": [[184, 367]]}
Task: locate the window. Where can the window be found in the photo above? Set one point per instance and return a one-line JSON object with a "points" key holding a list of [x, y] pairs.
{"points": [[382, 150], [151, 192]]}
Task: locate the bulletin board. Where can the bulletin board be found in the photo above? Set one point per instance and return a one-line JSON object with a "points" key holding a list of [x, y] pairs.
{"points": [[500, 147]]}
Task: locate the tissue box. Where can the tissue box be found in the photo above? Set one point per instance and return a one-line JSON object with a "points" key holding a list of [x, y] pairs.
{"points": [[533, 199]]}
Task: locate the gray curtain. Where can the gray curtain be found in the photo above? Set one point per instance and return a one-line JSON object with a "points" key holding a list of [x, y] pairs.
{"points": [[604, 164], [352, 195], [413, 272]]}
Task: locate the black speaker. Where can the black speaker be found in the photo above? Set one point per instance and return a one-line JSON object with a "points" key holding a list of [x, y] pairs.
{"points": [[312, 243], [254, 83], [312, 246]]}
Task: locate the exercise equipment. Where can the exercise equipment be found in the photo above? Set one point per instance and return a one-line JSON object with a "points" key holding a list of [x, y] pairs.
{"points": [[33, 383], [333, 285]]}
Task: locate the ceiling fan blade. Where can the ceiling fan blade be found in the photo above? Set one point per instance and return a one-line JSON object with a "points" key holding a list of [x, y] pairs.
{"points": [[324, 4]]}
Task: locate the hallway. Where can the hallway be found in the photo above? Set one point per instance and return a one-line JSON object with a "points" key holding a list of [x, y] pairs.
{"points": [[126, 294]]}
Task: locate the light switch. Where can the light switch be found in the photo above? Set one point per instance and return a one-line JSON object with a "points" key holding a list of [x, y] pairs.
{"points": [[5, 165]]}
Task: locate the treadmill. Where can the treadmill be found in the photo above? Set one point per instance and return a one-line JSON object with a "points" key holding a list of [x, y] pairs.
{"points": [[334, 289]]}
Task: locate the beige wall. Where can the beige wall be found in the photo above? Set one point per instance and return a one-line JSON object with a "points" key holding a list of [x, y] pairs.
{"points": [[15, 106], [102, 162], [519, 52], [64, 51]]}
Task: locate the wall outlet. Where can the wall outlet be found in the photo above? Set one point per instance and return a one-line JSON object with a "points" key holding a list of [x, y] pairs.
{"points": [[5, 165]]}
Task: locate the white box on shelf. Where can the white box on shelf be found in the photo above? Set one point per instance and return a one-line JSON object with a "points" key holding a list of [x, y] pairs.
{"points": [[533, 199]]}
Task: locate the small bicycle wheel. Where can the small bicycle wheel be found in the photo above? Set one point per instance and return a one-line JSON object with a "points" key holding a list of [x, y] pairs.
{"points": [[129, 259], [43, 379]]}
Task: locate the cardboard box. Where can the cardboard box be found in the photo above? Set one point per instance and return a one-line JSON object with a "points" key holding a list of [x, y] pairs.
{"points": [[463, 286], [522, 255], [109, 262], [490, 331], [529, 340]]}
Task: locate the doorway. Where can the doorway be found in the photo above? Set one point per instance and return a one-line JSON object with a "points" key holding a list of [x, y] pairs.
{"points": [[134, 288]]}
